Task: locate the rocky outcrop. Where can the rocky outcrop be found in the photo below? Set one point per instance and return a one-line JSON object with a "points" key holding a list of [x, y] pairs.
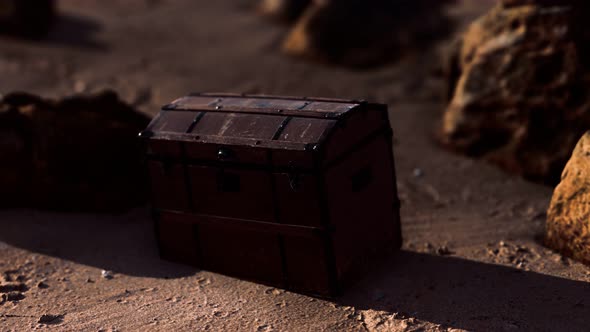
{"points": [[363, 33], [520, 87], [283, 10], [568, 217], [76, 154]]}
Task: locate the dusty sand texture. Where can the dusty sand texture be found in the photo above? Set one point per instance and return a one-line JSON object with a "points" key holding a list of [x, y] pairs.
{"points": [[471, 258]]}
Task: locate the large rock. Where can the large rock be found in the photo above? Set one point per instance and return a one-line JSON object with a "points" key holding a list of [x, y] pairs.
{"points": [[76, 154], [520, 88], [568, 217], [362, 33]]}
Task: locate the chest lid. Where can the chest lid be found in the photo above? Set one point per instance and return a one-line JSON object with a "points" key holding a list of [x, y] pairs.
{"points": [[249, 120]]}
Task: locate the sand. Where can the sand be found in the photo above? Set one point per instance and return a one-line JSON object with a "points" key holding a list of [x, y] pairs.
{"points": [[471, 259]]}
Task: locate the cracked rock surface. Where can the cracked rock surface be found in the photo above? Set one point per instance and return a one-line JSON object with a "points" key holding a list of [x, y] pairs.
{"points": [[518, 87]]}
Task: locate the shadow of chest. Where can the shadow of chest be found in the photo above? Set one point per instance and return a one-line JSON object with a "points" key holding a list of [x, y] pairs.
{"points": [[297, 193]]}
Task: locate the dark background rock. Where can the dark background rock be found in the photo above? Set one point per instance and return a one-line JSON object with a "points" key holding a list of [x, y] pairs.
{"points": [[27, 18], [520, 89], [365, 33], [76, 154]]}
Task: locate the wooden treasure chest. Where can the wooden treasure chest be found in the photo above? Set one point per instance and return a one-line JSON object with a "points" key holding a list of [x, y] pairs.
{"points": [[298, 193]]}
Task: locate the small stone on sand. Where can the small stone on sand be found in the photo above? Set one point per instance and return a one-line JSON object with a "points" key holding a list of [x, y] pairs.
{"points": [[50, 319], [107, 274]]}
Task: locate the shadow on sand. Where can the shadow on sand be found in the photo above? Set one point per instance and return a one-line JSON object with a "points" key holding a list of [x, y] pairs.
{"points": [[66, 30], [473, 296], [444, 290], [76, 31], [124, 243]]}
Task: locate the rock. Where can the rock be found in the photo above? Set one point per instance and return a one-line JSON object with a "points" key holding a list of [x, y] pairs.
{"points": [[107, 274], [363, 33], [80, 86], [444, 251], [50, 319], [283, 10], [76, 154], [14, 296], [27, 18], [568, 217], [14, 287], [417, 172], [520, 88]]}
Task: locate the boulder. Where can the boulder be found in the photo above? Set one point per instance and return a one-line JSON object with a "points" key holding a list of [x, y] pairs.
{"points": [[365, 33], [76, 154], [283, 10], [568, 217], [519, 89]]}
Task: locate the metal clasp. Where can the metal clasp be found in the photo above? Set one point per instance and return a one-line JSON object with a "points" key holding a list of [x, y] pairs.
{"points": [[225, 154]]}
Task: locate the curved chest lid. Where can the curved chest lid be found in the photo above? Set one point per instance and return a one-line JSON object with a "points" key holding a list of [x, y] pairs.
{"points": [[264, 121]]}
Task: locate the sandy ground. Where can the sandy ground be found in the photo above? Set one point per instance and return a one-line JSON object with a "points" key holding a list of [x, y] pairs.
{"points": [[494, 276]]}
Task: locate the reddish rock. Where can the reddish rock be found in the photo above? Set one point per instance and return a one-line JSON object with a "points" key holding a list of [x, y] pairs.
{"points": [[76, 154], [519, 89], [568, 217]]}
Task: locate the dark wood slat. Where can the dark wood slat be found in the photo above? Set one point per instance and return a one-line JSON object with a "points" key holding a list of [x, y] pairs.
{"points": [[262, 111], [209, 139], [263, 96]]}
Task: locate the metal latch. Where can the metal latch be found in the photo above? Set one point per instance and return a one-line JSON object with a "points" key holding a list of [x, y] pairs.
{"points": [[225, 154]]}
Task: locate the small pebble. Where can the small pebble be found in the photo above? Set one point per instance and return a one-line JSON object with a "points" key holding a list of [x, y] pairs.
{"points": [[20, 287], [107, 274], [14, 296], [444, 251], [417, 172], [50, 319], [80, 86]]}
